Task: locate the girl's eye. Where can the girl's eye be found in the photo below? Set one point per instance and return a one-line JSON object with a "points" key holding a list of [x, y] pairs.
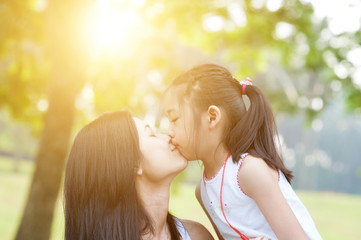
{"points": [[174, 119]]}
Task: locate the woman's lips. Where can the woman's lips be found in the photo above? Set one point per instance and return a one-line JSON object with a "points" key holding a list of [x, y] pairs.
{"points": [[172, 147]]}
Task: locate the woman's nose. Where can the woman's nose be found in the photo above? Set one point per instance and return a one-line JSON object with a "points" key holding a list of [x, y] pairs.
{"points": [[164, 137]]}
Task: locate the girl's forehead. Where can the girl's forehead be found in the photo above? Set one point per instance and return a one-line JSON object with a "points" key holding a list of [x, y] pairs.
{"points": [[171, 104], [175, 98], [175, 93]]}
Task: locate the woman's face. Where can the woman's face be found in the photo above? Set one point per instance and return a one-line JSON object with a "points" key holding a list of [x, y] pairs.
{"points": [[160, 159]]}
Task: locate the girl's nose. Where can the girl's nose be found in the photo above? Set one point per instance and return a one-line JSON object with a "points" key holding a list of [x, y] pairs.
{"points": [[171, 133]]}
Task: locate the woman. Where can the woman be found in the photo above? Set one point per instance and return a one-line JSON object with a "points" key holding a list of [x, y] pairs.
{"points": [[117, 183]]}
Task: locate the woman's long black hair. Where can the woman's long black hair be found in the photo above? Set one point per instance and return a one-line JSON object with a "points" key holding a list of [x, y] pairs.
{"points": [[100, 197]]}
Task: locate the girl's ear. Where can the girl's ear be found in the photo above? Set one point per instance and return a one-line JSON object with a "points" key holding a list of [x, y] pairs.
{"points": [[214, 116]]}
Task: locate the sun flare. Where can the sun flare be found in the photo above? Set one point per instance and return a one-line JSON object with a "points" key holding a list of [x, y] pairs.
{"points": [[112, 25]]}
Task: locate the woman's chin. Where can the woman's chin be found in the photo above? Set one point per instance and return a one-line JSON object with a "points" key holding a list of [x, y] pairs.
{"points": [[185, 163]]}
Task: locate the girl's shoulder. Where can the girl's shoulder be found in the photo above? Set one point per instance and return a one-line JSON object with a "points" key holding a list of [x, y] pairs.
{"points": [[255, 173], [250, 163]]}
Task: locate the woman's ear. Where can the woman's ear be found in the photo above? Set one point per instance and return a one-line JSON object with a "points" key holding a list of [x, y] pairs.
{"points": [[214, 116], [140, 171]]}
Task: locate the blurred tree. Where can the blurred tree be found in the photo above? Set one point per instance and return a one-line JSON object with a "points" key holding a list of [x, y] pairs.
{"points": [[22, 63], [41, 51], [66, 76], [294, 57]]}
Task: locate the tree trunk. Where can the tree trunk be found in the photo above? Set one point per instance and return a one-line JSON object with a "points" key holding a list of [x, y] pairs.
{"points": [[67, 78], [38, 214]]}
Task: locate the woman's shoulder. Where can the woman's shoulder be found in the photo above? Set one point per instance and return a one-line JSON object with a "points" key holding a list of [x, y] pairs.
{"points": [[196, 230]]}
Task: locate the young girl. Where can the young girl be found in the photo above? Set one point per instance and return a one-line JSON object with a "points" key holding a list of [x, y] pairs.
{"points": [[245, 190]]}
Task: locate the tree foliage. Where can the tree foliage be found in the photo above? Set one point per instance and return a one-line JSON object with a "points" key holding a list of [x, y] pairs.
{"points": [[247, 42]]}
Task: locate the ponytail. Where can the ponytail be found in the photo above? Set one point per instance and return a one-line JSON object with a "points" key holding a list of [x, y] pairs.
{"points": [[255, 132]]}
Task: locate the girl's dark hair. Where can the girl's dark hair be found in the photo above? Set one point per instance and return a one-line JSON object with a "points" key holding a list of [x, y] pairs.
{"points": [[101, 200], [251, 130]]}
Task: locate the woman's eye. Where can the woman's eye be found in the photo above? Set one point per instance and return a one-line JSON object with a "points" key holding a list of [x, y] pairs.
{"points": [[149, 131]]}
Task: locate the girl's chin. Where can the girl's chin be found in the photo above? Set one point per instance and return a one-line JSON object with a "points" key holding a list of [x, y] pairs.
{"points": [[185, 156], [176, 151], [191, 160]]}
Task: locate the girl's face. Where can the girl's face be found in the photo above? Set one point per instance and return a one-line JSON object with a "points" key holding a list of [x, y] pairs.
{"points": [[181, 127], [160, 159]]}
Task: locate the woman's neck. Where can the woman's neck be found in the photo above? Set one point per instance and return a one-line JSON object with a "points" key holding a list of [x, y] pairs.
{"points": [[214, 161], [155, 200]]}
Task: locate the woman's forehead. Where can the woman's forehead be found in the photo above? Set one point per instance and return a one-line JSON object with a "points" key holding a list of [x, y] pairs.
{"points": [[139, 123]]}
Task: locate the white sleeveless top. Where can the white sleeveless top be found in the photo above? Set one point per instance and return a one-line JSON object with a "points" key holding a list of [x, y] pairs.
{"points": [[242, 211], [181, 229]]}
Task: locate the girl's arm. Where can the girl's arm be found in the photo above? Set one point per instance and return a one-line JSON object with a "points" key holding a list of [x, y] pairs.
{"points": [[198, 196], [260, 182]]}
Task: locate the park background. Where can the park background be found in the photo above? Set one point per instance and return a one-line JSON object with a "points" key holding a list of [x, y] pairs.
{"points": [[62, 63]]}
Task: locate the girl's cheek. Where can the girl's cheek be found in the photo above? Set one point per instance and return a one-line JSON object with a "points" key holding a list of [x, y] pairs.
{"points": [[181, 128]]}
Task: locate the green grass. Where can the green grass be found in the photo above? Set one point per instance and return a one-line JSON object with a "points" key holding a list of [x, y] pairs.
{"points": [[13, 191], [337, 216]]}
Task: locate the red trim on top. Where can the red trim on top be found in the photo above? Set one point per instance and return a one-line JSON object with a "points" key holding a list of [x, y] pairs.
{"points": [[239, 186], [224, 215], [215, 175]]}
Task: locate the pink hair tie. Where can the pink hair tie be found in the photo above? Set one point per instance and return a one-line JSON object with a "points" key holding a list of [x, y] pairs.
{"points": [[244, 83]]}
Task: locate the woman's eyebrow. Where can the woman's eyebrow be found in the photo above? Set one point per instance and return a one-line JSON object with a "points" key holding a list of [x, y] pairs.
{"points": [[149, 127]]}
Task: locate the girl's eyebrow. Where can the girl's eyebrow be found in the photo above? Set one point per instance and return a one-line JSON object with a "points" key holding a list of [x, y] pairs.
{"points": [[170, 111]]}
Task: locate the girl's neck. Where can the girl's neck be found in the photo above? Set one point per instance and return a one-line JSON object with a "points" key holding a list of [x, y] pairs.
{"points": [[155, 200], [214, 161]]}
